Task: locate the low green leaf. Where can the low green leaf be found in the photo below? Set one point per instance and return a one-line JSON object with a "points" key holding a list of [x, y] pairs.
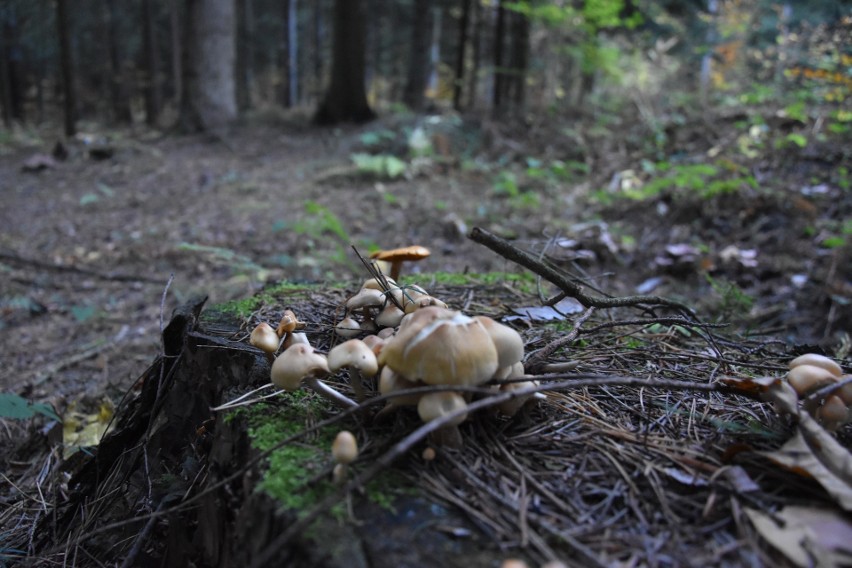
{"points": [[18, 408]]}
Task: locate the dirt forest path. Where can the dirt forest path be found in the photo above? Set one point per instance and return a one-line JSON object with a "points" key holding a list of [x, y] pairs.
{"points": [[89, 245]]}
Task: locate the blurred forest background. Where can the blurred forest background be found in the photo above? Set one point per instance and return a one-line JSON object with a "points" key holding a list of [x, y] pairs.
{"points": [[207, 62]]}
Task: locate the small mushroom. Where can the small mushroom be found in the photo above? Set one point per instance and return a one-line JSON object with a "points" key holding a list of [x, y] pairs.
{"points": [[397, 256], [358, 359], [348, 328], [299, 364], [344, 450], [513, 405], [264, 338], [286, 327], [817, 360], [391, 382], [437, 405], [833, 414], [806, 378], [510, 346], [390, 316]]}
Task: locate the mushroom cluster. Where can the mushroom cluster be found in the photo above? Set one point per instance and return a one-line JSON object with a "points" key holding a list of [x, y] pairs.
{"points": [[408, 339], [809, 373]]}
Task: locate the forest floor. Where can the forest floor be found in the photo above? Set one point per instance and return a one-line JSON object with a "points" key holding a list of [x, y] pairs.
{"points": [[95, 253]]}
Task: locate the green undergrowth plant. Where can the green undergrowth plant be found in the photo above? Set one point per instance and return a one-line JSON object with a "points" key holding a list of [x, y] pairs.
{"points": [[703, 180]]}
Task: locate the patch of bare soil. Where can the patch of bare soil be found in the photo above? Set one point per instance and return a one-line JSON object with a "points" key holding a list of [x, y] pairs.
{"points": [[97, 253]]}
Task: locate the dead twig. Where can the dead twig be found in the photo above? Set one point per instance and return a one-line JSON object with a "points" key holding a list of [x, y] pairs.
{"points": [[544, 269]]}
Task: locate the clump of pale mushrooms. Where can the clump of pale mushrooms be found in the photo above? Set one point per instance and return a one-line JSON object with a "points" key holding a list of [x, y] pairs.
{"points": [[809, 373], [408, 339]]}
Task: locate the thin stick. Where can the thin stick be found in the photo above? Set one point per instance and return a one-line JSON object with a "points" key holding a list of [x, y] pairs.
{"points": [[555, 276]]}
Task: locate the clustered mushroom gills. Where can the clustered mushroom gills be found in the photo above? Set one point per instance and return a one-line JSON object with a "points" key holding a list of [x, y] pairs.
{"points": [[809, 373]]}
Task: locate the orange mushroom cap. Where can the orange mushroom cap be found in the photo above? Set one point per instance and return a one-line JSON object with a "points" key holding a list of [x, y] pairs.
{"points": [[405, 253]]}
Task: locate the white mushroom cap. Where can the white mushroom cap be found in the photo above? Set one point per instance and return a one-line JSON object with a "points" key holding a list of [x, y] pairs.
{"points": [[366, 298], [347, 327], [344, 449], [375, 343], [423, 302], [439, 404], [374, 284], [264, 337], [817, 360], [439, 346], [353, 354], [390, 316], [299, 361], [510, 346]]}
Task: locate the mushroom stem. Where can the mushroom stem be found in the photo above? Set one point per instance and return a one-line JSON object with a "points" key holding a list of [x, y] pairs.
{"points": [[396, 266], [355, 381], [329, 393]]}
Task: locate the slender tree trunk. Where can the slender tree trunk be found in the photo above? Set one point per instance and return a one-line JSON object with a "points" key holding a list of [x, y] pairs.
{"points": [[5, 77], [63, 24], [284, 56], [476, 57], [118, 88], [520, 57], [346, 97], [210, 100], [414, 95], [499, 72], [318, 51], [152, 63], [244, 47], [460, 54], [177, 53], [293, 52]]}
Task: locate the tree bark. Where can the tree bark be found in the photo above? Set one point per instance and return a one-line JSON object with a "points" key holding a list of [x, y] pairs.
{"points": [[499, 72], [318, 49], [63, 24], [346, 97], [476, 56], [520, 58], [414, 95], [118, 88], [245, 63], [210, 99], [151, 62], [464, 21], [284, 56], [177, 52], [5, 77], [293, 52]]}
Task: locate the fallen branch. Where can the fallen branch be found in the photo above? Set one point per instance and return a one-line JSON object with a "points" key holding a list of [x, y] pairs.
{"points": [[544, 269]]}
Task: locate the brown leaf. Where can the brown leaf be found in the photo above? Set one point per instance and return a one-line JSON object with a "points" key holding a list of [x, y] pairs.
{"points": [[807, 536]]}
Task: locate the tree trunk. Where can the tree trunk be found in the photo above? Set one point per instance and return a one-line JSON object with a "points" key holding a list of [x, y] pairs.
{"points": [[318, 50], [414, 95], [63, 25], [210, 99], [476, 57], [284, 56], [152, 63], [293, 52], [460, 54], [245, 64], [346, 97], [5, 76], [118, 88], [499, 71], [520, 58], [177, 67]]}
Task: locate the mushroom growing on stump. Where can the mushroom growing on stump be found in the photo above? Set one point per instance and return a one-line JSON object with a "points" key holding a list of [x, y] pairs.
{"points": [[264, 338], [437, 405], [344, 450], [358, 359], [397, 256], [441, 347], [287, 327], [300, 364]]}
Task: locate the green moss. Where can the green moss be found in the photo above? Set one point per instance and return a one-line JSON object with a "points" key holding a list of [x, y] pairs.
{"points": [[294, 471]]}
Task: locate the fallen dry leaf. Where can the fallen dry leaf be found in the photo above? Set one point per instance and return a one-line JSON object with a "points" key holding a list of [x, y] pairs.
{"points": [[807, 536]]}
